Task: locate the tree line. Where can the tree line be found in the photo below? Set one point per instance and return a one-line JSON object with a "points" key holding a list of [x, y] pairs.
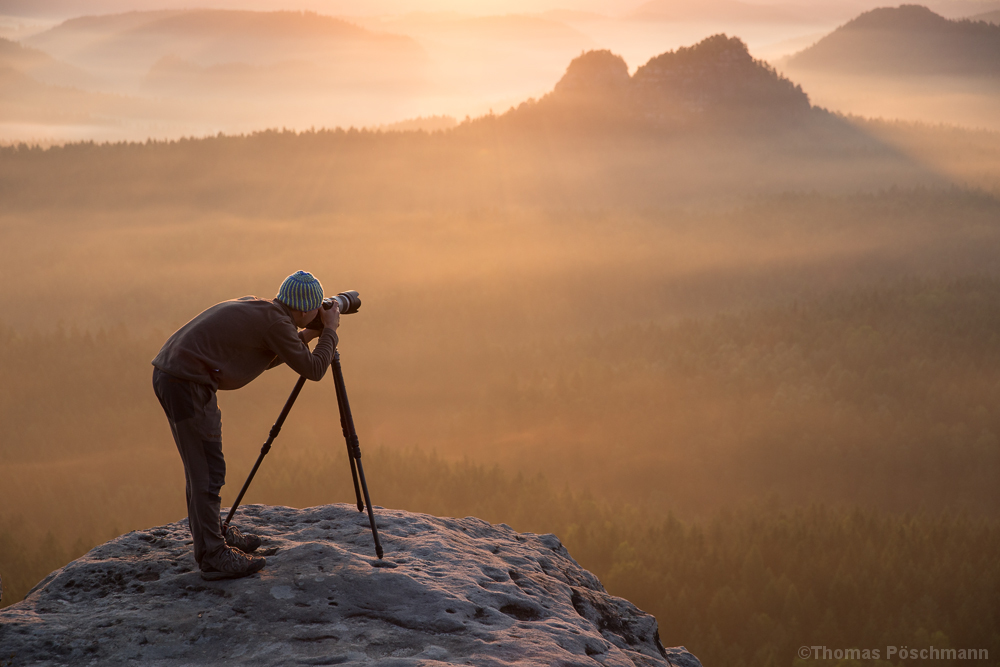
{"points": [[744, 587]]}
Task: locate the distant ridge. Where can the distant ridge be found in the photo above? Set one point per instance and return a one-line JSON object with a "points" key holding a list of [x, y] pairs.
{"points": [[39, 65], [716, 78], [36, 88], [220, 54], [25, 99], [989, 17], [905, 40], [18, 56], [213, 36]]}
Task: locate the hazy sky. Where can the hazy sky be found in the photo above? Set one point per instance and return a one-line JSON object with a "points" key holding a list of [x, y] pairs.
{"points": [[373, 7], [341, 7], [55, 9]]}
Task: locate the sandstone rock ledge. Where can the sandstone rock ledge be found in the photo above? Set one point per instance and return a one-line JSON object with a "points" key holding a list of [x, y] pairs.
{"points": [[449, 591]]}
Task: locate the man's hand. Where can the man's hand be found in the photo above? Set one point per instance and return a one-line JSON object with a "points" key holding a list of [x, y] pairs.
{"points": [[331, 317], [307, 335]]}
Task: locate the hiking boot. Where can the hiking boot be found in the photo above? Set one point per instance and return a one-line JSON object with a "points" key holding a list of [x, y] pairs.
{"points": [[230, 563], [245, 543]]}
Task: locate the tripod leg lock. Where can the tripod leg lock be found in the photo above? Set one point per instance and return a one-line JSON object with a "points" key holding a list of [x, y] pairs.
{"points": [[355, 446]]}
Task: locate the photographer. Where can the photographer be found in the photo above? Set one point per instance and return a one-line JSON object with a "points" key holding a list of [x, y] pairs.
{"points": [[225, 347]]}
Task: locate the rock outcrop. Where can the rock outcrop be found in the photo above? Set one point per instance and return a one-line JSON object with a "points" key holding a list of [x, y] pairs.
{"points": [[718, 73], [715, 80], [594, 74], [449, 591]]}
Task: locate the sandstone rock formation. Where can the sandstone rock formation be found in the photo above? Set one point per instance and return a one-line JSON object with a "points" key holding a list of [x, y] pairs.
{"points": [[717, 73], [449, 591], [715, 80]]}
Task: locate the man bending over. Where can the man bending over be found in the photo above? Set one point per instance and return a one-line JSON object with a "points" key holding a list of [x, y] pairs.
{"points": [[225, 347]]}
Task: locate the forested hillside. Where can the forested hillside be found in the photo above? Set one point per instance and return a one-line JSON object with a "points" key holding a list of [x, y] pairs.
{"points": [[706, 124], [906, 40], [520, 161], [745, 587], [880, 397]]}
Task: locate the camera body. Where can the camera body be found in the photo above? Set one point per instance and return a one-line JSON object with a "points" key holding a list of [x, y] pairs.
{"points": [[350, 302]]}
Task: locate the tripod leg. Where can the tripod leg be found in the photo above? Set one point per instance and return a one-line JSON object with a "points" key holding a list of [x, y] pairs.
{"points": [[338, 380], [264, 450], [354, 447]]}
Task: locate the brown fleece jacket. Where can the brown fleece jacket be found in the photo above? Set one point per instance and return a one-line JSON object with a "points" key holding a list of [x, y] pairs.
{"points": [[233, 342]]}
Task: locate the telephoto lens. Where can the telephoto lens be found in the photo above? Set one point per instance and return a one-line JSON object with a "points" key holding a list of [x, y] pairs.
{"points": [[349, 303]]}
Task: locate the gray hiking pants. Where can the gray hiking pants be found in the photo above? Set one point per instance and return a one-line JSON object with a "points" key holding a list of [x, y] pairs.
{"points": [[196, 424]]}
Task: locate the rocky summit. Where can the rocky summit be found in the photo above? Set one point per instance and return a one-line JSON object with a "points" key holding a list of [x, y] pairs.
{"points": [[449, 591]]}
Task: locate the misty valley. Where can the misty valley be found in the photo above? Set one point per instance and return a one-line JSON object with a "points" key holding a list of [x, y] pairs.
{"points": [[734, 338]]}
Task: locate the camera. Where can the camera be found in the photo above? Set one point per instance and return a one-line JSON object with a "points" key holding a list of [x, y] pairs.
{"points": [[349, 302]]}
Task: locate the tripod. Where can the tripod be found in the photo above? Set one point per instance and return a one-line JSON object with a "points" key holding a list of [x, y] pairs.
{"points": [[350, 436]]}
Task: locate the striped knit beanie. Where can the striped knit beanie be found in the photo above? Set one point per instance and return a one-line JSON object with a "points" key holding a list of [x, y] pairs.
{"points": [[301, 291]]}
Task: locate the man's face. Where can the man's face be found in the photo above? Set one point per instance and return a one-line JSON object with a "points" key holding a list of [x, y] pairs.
{"points": [[302, 318]]}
